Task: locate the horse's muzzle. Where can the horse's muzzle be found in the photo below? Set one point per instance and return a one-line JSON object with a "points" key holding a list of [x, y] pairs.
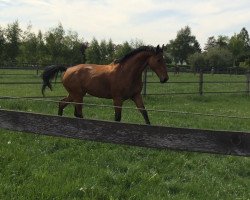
{"points": [[164, 80]]}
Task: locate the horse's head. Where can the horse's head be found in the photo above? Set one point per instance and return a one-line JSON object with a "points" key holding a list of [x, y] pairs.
{"points": [[157, 64]]}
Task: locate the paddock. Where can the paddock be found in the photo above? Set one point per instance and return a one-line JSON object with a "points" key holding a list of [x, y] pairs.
{"points": [[33, 162]]}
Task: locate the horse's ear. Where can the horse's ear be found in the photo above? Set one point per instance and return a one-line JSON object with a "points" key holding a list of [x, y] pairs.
{"points": [[158, 48]]}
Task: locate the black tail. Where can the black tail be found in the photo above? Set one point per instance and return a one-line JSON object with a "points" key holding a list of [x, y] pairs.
{"points": [[49, 73]]}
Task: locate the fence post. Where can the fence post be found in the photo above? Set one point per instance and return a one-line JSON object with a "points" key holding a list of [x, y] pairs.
{"points": [[248, 82], [201, 83], [145, 82], [37, 69]]}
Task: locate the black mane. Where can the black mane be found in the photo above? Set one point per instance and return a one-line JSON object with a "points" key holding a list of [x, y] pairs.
{"points": [[134, 52]]}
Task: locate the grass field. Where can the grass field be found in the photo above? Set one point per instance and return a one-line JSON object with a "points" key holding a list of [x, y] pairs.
{"points": [[41, 167]]}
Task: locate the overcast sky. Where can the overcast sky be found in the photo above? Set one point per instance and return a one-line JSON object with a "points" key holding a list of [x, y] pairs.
{"points": [[152, 21]]}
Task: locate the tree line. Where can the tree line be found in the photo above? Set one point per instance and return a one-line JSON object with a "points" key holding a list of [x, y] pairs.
{"points": [[224, 52], [57, 46]]}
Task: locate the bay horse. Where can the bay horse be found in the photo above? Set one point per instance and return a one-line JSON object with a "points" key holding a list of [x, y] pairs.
{"points": [[120, 80]]}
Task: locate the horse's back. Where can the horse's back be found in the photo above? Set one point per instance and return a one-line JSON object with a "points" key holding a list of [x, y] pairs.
{"points": [[86, 70], [89, 78]]}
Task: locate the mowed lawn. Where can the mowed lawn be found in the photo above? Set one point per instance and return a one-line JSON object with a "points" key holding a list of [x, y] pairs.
{"points": [[42, 167]]}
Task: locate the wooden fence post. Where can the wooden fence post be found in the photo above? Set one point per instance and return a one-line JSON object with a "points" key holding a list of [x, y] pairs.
{"points": [[201, 83], [248, 83], [145, 82], [37, 69]]}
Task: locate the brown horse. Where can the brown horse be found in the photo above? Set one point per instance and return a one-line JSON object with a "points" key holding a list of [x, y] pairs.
{"points": [[120, 80]]}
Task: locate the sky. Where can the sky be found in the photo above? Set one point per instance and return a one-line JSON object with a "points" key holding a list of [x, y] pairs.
{"points": [[152, 21]]}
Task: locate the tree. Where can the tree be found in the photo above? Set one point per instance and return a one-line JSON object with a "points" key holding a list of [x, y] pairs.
{"points": [[28, 47], [184, 45], [236, 46], [103, 52], [167, 57], [197, 61], [42, 57], [244, 36], [2, 45], [219, 58], [54, 43], [222, 41], [122, 50], [211, 43], [110, 51], [136, 43], [83, 48], [72, 48], [246, 53], [93, 52], [246, 64], [13, 39]]}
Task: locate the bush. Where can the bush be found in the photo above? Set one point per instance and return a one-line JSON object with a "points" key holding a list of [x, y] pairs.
{"points": [[197, 61], [218, 57]]}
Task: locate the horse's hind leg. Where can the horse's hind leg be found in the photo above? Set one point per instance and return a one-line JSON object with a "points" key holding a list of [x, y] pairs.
{"points": [[63, 103], [78, 106]]}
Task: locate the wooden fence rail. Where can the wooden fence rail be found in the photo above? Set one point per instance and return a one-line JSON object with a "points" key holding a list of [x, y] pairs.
{"points": [[208, 141], [200, 83]]}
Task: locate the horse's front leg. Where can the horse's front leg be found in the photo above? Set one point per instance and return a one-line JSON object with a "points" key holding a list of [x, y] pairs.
{"points": [[140, 105], [118, 108]]}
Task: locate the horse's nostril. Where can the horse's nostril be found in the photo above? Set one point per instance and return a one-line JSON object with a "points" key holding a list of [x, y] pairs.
{"points": [[164, 80]]}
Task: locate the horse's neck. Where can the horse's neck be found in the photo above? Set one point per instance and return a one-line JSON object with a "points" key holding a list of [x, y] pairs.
{"points": [[134, 67]]}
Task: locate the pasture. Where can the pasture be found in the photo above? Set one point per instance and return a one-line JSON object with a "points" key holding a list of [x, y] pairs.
{"points": [[42, 167]]}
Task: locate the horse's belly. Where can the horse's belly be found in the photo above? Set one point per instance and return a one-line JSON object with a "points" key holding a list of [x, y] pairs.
{"points": [[100, 94], [99, 90], [98, 86]]}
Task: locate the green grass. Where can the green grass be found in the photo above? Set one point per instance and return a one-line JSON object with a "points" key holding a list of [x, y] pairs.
{"points": [[42, 167], [194, 87], [39, 167]]}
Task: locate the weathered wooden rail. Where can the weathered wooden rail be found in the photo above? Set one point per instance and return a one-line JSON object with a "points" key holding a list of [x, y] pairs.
{"points": [[208, 141]]}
